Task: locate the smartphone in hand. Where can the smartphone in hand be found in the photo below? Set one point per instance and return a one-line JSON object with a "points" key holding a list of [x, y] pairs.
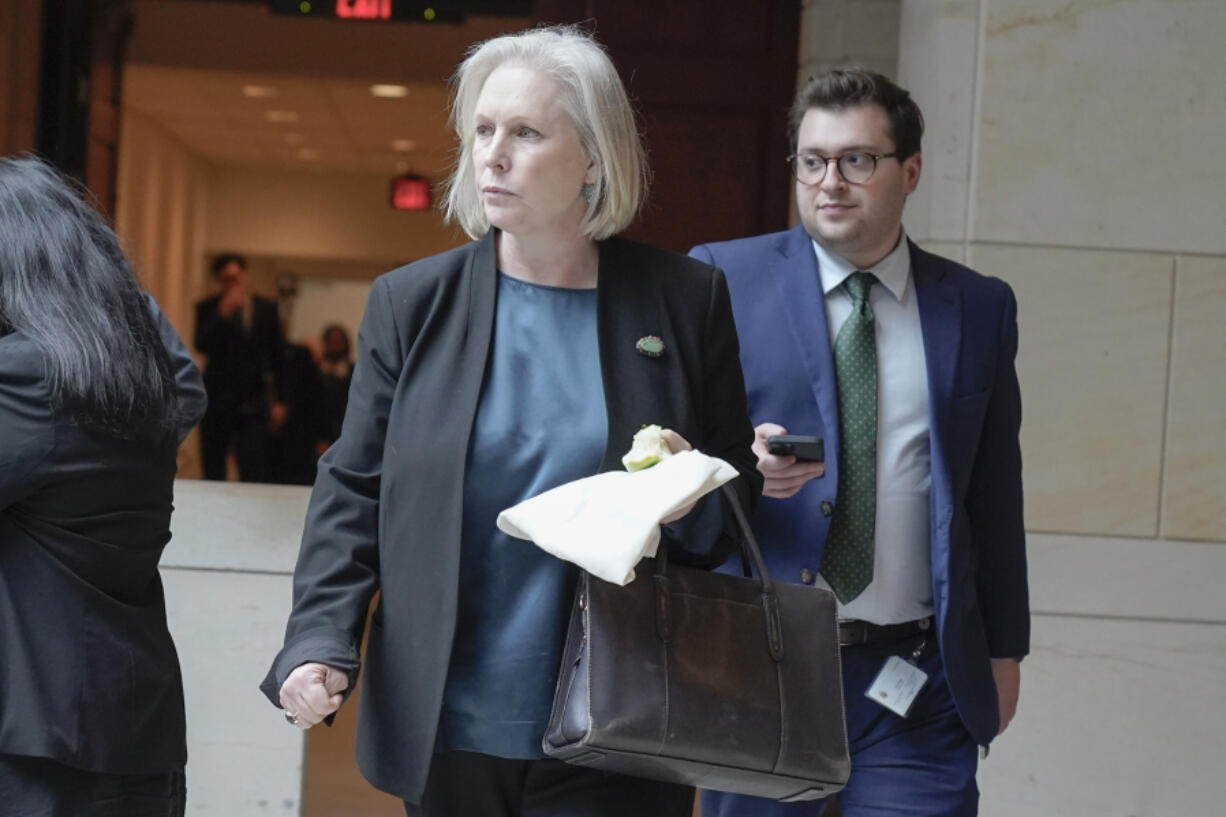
{"points": [[801, 446]]}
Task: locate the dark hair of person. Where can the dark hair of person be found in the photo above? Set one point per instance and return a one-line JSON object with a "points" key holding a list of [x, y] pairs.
{"points": [[66, 285], [226, 258], [841, 88], [338, 329]]}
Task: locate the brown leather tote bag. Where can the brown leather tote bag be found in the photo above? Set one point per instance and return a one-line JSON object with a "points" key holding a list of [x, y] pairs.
{"points": [[706, 679]]}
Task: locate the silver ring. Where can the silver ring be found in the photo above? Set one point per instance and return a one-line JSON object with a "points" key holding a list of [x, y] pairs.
{"points": [[291, 718]]}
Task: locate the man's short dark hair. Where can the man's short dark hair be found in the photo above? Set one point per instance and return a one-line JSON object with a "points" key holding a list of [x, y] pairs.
{"points": [[335, 329], [220, 262], [841, 88]]}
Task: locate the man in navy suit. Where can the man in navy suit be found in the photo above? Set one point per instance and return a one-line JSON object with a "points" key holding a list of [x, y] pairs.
{"points": [[918, 405]]}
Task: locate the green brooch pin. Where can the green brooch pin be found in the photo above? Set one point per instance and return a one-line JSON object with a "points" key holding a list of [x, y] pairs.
{"points": [[649, 345]]}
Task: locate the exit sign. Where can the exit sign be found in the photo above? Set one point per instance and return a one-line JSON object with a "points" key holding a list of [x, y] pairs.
{"points": [[422, 11], [410, 192], [364, 9]]}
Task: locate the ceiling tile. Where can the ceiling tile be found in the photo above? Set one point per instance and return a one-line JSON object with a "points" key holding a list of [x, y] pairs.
{"points": [[352, 129]]}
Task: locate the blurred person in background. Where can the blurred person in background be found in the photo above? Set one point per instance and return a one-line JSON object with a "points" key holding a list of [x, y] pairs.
{"points": [[295, 446], [96, 393], [240, 333], [485, 375], [336, 367]]}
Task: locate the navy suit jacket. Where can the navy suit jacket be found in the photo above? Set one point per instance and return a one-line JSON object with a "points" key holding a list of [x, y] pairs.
{"points": [[979, 586]]}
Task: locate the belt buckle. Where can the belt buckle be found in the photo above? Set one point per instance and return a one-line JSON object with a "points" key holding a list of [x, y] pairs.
{"points": [[852, 632]]}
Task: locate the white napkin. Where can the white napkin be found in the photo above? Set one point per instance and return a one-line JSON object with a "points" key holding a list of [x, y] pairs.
{"points": [[608, 522]]}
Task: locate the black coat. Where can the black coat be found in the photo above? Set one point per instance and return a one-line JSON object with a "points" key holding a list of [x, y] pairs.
{"points": [[385, 512], [243, 362], [88, 673]]}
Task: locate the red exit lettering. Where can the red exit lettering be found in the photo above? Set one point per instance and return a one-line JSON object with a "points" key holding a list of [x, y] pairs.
{"points": [[364, 9]]}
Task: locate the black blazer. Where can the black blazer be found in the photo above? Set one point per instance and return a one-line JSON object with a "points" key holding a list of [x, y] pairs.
{"points": [[242, 363], [386, 508], [88, 673]]}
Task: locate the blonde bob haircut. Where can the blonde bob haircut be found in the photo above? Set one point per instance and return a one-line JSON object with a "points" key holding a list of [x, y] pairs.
{"points": [[591, 93]]}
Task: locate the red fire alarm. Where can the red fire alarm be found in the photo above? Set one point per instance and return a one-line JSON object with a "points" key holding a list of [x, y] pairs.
{"points": [[410, 192]]}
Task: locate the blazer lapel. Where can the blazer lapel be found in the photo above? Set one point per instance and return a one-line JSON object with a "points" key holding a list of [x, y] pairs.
{"points": [[802, 301], [475, 338], [635, 386], [940, 308]]}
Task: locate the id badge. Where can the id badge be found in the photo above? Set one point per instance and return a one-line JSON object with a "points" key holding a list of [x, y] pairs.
{"points": [[897, 685]]}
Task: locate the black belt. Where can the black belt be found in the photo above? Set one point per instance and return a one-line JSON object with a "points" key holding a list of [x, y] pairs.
{"points": [[852, 631]]}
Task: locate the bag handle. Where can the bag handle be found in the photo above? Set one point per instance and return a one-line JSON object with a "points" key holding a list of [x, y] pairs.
{"points": [[750, 552]]}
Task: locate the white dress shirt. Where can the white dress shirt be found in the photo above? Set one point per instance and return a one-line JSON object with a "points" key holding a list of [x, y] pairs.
{"points": [[901, 589]]}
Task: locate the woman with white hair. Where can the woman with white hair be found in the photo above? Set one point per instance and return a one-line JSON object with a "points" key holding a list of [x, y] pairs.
{"points": [[486, 375]]}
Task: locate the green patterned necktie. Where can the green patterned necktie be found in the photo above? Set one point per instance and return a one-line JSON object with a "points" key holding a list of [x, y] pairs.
{"points": [[847, 562]]}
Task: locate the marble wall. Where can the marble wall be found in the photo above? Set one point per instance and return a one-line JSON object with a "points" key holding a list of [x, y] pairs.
{"points": [[1073, 149], [843, 32]]}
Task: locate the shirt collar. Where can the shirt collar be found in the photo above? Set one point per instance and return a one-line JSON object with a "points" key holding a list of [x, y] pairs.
{"points": [[892, 271]]}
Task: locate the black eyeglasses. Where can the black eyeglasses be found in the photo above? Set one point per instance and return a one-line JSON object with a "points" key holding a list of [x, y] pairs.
{"points": [[855, 167]]}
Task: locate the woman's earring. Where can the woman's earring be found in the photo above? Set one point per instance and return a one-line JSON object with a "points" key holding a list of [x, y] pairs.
{"points": [[588, 191]]}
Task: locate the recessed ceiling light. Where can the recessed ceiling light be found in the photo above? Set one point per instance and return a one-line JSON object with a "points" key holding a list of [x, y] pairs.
{"points": [[259, 91], [309, 154], [389, 91], [281, 116], [293, 138], [403, 145]]}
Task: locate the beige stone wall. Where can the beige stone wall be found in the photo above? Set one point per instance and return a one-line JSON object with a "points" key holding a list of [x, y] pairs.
{"points": [[1074, 149], [849, 32]]}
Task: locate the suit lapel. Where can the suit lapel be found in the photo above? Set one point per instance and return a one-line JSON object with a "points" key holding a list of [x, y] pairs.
{"points": [[940, 308], [635, 386], [799, 286], [476, 335]]}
